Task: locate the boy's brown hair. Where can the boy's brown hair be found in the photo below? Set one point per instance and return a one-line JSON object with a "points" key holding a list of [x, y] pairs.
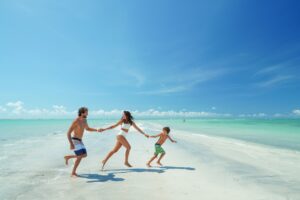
{"points": [[167, 129]]}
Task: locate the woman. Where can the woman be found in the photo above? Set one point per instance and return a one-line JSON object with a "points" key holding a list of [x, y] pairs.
{"points": [[126, 122]]}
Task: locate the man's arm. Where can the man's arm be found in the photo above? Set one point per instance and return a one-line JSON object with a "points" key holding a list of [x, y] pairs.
{"points": [[89, 128], [71, 129], [139, 130], [171, 139]]}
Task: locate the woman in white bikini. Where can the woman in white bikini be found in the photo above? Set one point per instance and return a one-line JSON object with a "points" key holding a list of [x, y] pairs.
{"points": [[126, 122]]}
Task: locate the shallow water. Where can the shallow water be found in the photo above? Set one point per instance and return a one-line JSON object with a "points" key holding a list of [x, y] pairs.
{"points": [[283, 133]]}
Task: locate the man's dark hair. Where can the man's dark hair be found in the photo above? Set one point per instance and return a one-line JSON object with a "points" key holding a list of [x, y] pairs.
{"points": [[167, 129], [82, 110]]}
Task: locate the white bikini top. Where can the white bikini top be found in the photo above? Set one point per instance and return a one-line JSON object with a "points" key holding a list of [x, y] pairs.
{"points": [[125, 126]]}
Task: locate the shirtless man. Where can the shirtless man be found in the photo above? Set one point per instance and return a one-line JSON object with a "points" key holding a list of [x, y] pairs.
{"points": [[158, 149], [78, 126]]}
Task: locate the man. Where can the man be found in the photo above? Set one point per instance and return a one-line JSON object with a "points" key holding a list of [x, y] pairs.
{"points": [[78, 126]]}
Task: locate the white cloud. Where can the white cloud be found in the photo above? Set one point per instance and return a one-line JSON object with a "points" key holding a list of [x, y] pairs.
{"points": [[139, 78], [165, 90], [17, 107], [296, 112], [269, 70], [58, 111], [253, 115], [2, 109], [18, 110], [185, 80], [275, 81]]}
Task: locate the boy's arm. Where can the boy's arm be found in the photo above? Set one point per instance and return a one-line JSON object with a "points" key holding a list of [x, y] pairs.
{"points": [[172, 139], [69, 135]]}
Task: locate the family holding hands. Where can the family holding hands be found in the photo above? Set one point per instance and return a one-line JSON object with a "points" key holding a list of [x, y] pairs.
{"points": [[80, 124]]}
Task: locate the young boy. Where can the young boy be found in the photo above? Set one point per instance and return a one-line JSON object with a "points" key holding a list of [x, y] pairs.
{"points": [[158, 149]]}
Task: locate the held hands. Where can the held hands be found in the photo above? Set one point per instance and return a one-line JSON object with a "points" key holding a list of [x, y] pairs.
{"points": [[100, 130]]}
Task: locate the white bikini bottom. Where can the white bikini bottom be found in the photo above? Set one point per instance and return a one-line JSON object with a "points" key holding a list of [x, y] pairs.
{"points": [[122, 133]]}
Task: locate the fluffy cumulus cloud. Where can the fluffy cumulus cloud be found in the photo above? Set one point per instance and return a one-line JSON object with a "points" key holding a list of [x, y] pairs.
{"points": [[2, 109], [17, 107], [254, 115], [18, 110], [296, 112], [157, 114]]}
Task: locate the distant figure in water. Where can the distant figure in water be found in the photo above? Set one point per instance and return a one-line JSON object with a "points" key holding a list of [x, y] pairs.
{"points": [[163, 136], [183, 120], [125, 122], [78, 126]]}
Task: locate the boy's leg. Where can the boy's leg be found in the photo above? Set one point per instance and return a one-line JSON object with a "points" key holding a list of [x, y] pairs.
{"points": [[159, 159], [149, 162]]}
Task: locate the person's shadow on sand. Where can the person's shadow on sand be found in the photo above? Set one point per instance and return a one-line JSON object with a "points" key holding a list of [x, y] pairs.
{"points": [[184, 168], [101, 178], [151, 170]]}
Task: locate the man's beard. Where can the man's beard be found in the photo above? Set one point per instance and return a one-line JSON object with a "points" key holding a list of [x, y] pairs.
{"points": [[84, 116]]}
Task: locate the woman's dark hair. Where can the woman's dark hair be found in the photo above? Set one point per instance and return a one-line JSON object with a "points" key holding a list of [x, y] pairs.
{"points": [[82, 110], [129, 118]]}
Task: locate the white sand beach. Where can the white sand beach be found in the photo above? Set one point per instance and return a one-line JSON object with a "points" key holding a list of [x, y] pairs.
{"points": [[197, 167]]}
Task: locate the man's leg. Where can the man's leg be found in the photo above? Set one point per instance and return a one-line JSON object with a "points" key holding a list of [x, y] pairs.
{"points": [[77, 162], [68, 157], [161, 156], [149, 162]]}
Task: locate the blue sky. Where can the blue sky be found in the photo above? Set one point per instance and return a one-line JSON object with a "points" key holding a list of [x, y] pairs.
{"points": [[226, 56]]}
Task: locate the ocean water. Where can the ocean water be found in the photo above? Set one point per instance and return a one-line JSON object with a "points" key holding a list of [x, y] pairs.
{"points": [[281, 133]]}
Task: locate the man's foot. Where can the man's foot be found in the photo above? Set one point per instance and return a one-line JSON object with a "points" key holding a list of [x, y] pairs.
{"points": [[148, 164], [127, 164], [159, 163], [103, 164], [66, 160], [74, 175]]}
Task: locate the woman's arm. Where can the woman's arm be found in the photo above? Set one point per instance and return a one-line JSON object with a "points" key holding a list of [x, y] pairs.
{"points": [[114, 126], [154, 136], [139, 130]]}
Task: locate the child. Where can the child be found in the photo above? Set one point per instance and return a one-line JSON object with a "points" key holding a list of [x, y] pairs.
{"points": [[158, 149]]}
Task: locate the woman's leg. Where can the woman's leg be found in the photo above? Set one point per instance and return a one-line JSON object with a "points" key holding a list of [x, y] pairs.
{"points": [[125, 143], [115, 149]]}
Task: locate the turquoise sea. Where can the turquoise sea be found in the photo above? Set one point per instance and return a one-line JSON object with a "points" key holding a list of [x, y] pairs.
{"points": [[282, 133]]}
